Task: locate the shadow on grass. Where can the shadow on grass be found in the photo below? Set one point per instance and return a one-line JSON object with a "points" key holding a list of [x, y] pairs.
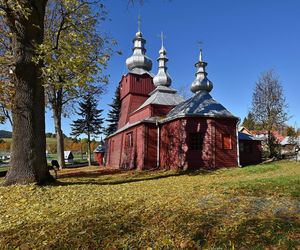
{"points": [[127, 226], [130, 178]]}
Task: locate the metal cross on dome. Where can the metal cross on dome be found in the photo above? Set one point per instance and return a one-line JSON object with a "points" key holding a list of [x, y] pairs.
{"points": [[139, 23], [200, 43], [162, 37]]}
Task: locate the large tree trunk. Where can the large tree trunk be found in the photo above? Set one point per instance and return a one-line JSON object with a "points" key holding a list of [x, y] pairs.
{"points": [[28, 159], [57, 110]]}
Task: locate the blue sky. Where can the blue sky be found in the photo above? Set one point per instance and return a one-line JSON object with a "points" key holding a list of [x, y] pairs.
{"points": [[241, 40]]}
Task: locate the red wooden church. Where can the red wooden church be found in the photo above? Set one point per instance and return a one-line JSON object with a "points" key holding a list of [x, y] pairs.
{"points": [[159, 129]]}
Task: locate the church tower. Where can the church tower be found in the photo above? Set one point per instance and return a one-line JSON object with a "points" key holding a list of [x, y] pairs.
{"points": [[136, 85]]}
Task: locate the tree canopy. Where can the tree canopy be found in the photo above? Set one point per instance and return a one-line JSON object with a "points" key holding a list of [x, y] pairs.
{"points": [[268, 101], [269, 105], [74, 55]]}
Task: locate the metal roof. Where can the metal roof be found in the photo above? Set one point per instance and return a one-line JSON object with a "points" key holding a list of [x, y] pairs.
{"points": [[129, 125], [290, 140], [201, 83], [162, 78], [201, 104], [163, 95], [243, 136], [139, 71], [139, 60]]}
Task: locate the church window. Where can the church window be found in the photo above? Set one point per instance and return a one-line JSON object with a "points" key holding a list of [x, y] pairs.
{"points": [[129, 140], [195, 141], [226, 140]]}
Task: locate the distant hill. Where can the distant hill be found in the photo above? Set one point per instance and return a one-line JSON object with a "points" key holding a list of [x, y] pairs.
{"points": [[5, 134]]}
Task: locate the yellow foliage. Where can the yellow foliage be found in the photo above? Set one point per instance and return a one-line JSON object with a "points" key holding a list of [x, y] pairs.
{"points": [[251, 208]]}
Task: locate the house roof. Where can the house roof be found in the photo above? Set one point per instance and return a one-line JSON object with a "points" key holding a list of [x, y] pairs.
{"points": [[244, 130], [201, 104], [163, 95], [129, 125], [290, 140], [68, 155], [264, 134], [247, 137], [138, 71], [100, 148]]}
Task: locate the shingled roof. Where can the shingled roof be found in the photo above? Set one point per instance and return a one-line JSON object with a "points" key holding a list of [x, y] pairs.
{"points": [[163, 96], [201, 104]]}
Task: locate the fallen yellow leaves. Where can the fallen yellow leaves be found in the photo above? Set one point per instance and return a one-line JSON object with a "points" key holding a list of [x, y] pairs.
{"points": [[253, 207]]}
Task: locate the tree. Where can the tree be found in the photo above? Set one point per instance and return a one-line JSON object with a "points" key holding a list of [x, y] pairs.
{"points": [[90, 123], [249, 122], [290, 131], [5, 114], [269, 105], [74, 55], [6, 71], [24, 22], [113, 114]]}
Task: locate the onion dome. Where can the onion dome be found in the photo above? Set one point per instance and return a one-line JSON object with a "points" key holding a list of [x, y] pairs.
{"points": [[139, 63], [201, 83], [162, 78]]}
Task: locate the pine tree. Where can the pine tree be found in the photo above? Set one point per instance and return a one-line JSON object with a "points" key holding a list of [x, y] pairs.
{"points": [[90, 123], [113, 114], [249, 122]]}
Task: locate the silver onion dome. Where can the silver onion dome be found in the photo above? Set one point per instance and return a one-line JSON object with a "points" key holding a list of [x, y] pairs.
{"points": [[201, 83], [139, 62], [162, 78]]}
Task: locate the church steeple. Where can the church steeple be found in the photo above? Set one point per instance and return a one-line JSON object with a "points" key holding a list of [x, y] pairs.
{"points": [[139, 63], [201, 83], [162, 78]]}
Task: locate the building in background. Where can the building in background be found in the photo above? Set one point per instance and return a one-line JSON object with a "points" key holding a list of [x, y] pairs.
{"points": [[250, 148]]}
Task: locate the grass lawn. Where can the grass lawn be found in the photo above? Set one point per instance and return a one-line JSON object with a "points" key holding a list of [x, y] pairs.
{"points": [[255, 207]]}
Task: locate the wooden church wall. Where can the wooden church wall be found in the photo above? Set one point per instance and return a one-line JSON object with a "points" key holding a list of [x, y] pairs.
{"points": [[178, 150], [134, 91], [226, 143]]}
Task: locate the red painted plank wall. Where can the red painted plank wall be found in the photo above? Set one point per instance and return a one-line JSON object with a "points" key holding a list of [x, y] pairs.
{"points": [[114, 150], [150, 146], [225, 157], [134, 92], [122, 155], [140, 114], [175, 152]]}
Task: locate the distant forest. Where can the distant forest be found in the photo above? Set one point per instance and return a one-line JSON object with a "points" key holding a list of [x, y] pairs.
{"points": [[8, 134], [5, 134]]}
